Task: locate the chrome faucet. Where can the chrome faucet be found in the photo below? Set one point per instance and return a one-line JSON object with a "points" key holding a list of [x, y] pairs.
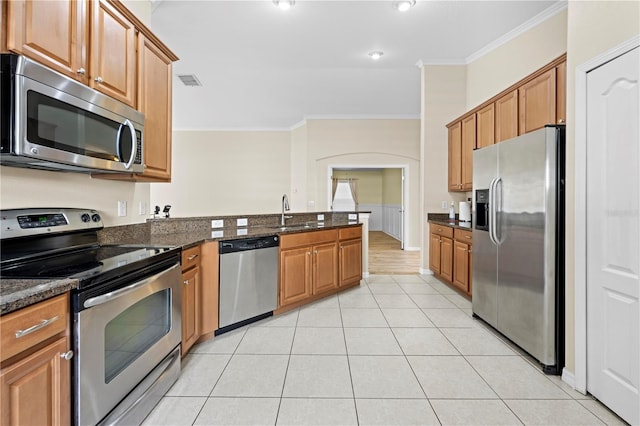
{"points": [[285, 208]]}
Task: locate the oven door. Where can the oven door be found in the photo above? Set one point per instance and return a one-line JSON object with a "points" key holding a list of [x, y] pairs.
{"points": [[121, 336]]}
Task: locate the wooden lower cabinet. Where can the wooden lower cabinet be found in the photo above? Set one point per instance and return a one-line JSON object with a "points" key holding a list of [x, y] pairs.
{"points": [[190, 308], [295, 275], [312, 266], [450, 255], [350, 261], [36, 390], [35, 378]]}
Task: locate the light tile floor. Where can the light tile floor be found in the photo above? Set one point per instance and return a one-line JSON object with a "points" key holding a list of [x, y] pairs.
{"points": [[401, 350]]}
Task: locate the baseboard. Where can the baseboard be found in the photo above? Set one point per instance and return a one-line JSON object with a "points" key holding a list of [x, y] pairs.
{"points": [[365, 274], [425, 271], [569, 378], [412, 249]]}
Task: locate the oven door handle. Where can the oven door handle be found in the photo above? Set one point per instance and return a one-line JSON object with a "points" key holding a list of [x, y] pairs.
{"points": [[112, 295]]}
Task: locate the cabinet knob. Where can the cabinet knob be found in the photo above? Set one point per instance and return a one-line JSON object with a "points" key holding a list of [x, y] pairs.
{"points": [[67, 355], [185, 282], [316, 251], [81, 71], [193, 256], [98, 79], [561, 121], [308, 253]]}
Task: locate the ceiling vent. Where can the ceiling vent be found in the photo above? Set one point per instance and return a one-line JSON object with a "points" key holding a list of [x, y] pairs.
{"points": [[189, 80]]}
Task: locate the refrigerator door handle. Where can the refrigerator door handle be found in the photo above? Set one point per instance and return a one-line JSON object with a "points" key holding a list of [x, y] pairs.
{"points": [[492, 207], [496, 207]]}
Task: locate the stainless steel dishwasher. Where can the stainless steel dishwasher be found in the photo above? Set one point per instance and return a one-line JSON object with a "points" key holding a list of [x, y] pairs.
{"points": [[248, 280]]}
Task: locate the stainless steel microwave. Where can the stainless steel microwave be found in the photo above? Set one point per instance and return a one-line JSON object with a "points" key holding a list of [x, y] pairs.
{"points": [[50, 121]]}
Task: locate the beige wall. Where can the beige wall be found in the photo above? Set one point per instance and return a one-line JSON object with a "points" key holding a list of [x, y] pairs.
{"points": [[392, 186], [492, 73], [299, 175], [443, 99], [225, 173], [593, 28], [369, 184], [140, 8], [372, 143]]}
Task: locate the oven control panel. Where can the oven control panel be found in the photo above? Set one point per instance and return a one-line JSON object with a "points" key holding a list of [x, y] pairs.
{"points": [[26, 222]]}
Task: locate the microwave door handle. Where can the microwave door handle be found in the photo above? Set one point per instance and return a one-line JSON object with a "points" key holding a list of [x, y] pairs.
{"points": [[134, 143]]}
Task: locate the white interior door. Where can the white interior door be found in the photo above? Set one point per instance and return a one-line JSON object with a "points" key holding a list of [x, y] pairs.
{"points": [[613, 235], [402, 210]]}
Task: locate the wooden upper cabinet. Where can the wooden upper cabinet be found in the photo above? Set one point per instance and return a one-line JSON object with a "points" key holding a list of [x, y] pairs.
{"points": [[561, 93], [113, 53], [537, 103], [507, 116], [486, 124], [52, 33], [455, 155], [468, 144], [154, 101]]}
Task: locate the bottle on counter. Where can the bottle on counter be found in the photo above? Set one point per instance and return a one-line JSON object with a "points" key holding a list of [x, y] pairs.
{"points": [[452, 212]]}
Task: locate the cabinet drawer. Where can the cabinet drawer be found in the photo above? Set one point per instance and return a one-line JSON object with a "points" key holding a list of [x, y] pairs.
{"points": [[350, 233], [442, 230], [29, 326], [308, 238], [190, 257], [463, 236]]}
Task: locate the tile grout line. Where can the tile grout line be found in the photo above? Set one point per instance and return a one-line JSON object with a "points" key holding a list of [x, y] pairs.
{"points": [[346, 350], [286, 371]]}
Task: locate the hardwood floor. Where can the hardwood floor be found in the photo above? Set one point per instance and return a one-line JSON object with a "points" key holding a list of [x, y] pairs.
{"points": [[386, 257]]}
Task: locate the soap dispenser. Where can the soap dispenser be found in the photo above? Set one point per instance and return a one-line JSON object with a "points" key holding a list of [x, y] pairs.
{"points": [[452, 212]]}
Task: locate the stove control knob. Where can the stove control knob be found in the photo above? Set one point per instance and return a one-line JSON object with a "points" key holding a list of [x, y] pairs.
{"points": [[85, 217], [96, 217]]}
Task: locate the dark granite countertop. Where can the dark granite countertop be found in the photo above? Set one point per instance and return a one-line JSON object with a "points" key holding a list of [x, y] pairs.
{"points": [[453, 224], [19, 293], [16, 294]]}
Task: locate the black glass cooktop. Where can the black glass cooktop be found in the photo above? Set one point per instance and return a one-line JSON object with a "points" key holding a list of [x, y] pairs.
{"points": [[80, 264]]}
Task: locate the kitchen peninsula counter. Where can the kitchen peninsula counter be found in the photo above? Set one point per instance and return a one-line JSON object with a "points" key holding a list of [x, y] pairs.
{"points": [[181, 232]]}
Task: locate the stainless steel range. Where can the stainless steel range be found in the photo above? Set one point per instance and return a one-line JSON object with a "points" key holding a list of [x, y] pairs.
{"points": [[126, 310]]}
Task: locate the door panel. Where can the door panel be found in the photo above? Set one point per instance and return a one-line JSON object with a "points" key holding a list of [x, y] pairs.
{"points": [[613, 235], [526, 293], [485, 255]]}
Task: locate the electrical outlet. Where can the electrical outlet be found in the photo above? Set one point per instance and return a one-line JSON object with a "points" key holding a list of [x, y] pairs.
{"points": [[445, 205], [122, 208], [242, 222], [353, 216], [217, 223], [242, 231], [142, 208], [217, 234], [320, 217]]}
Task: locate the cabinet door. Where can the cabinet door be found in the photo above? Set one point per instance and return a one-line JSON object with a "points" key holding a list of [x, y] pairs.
{"points": [[461, 266], [507, 116], [190, 308], [50, 32], [486, 124], [434, 254], [466, 154], [446, 258], [325, 267], [455, 157], [35, 390], [537, 103], [154, 101], [295, 275], [113, 53], [350, 261], [561, 93]]}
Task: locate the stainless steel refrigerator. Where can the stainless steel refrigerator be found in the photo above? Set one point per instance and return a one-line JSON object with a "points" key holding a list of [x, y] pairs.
{"points": [[518, 242]]}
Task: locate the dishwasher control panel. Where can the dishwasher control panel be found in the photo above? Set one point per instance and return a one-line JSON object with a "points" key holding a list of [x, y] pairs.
{"points": [[253, 243]]}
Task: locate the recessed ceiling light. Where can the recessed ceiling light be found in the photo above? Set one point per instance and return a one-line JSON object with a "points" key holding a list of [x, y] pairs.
{"points": [[404, 5], [376, 54], [284, 4]]}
